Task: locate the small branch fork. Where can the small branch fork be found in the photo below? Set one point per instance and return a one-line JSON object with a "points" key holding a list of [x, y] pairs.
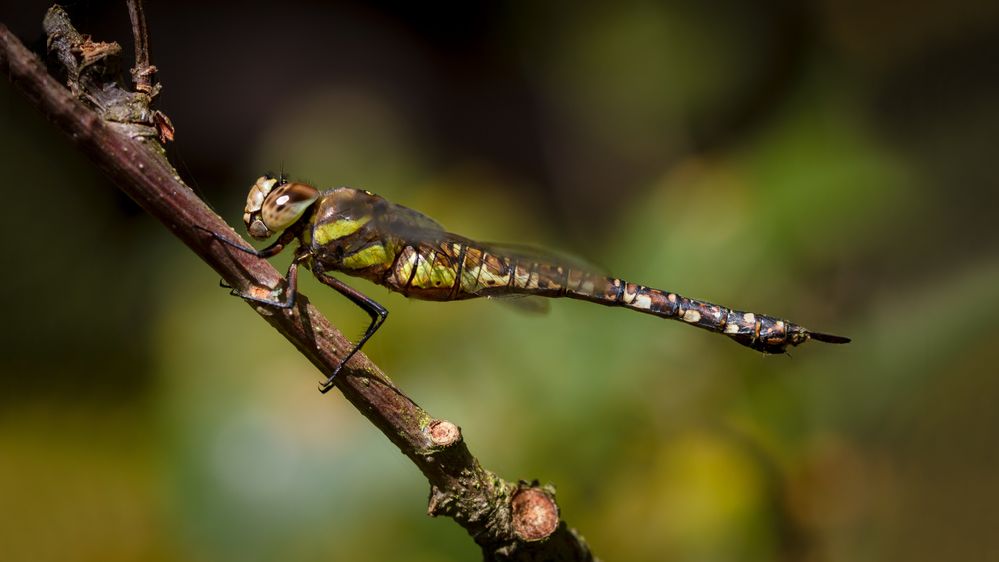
{"points": [[119, 132]]}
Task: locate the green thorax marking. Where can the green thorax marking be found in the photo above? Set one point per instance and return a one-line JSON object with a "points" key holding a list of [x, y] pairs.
{"points": [[325, 233], [367, 257]]}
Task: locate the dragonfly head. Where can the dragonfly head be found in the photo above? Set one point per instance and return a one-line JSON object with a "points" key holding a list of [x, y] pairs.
{"points": [[273, 205]]}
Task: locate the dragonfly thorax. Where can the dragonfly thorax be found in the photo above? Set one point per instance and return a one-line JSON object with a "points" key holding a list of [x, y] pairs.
{"points": [[272, 206]]}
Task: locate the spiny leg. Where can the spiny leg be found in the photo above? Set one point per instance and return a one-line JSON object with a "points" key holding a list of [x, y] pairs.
{"points": [[291, 287], [375, 310], [270, 251], [274, 249]]}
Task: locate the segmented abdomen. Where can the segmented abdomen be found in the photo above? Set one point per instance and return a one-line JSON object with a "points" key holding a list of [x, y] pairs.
{"points": [[459, 270], [758, 331]]}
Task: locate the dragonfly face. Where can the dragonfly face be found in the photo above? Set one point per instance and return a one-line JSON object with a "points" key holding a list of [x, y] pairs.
{"points": [[272, 207]]}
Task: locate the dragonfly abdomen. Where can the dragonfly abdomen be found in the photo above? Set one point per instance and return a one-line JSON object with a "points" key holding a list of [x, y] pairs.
{"points": [[457, 270], [454, 270], [761, 332]]}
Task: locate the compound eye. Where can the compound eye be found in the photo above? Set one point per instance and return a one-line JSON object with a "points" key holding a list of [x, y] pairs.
{"points": [[286, 204]]}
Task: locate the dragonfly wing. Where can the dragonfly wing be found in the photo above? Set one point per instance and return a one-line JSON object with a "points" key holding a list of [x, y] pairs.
{"points": [[412, 228], [526, 253], [407, 224], [526, 304], [528, 258]]}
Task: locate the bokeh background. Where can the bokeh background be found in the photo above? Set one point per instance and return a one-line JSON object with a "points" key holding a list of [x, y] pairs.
{"points": [[829, 161]]}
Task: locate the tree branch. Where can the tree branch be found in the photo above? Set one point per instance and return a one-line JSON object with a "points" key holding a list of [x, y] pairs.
{"points": [[119, 132]]}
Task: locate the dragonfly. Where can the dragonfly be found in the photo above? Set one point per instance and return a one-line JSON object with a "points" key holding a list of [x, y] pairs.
{"points": [[358, 233]]}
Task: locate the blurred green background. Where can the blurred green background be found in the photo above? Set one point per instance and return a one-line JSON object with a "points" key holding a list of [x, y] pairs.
{"points": [[831, 162]]}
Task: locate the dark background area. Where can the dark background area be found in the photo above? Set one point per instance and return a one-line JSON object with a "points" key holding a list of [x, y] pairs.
{"points": [[830, 161]]}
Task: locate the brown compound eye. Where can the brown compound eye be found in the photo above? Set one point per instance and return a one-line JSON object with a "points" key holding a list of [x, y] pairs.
{"points": [[286, 204]]}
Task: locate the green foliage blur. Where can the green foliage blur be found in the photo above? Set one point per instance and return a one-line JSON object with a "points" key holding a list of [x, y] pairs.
{"points": [[831, 162]]}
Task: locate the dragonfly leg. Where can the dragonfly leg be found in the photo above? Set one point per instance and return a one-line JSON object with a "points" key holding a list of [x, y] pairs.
{"points": [[269, 251], [291, 288], [377, 312]]}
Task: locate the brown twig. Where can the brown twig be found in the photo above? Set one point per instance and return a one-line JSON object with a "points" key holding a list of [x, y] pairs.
{"points": [[143, 71], [509, 521]]}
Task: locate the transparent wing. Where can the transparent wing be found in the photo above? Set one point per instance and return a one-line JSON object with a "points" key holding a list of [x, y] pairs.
{"points": [[525, 304], [525, 253], [411, 227], [407, 224]]}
